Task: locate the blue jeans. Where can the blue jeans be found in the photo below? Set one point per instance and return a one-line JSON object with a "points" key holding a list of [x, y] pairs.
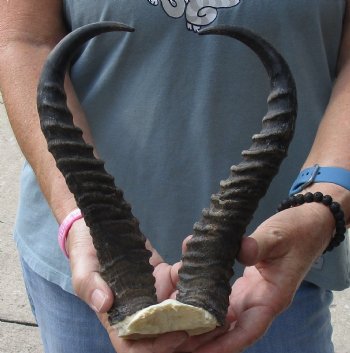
{"points": [[68, 325]]}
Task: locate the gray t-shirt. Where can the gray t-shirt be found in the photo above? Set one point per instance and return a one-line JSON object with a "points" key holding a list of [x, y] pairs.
{"points": [[170, 112]]}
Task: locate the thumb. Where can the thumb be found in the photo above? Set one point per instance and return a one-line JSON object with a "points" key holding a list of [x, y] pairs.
{"points": [[268, 242], [87, 282]]}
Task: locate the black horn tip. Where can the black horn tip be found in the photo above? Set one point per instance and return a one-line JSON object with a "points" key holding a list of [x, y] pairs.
{"points": [[114, 26], [105, 26], [223, 30], [61, 55]]}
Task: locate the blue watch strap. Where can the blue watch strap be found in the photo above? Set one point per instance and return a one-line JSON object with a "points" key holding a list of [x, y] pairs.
{"points": [[317, 174]]}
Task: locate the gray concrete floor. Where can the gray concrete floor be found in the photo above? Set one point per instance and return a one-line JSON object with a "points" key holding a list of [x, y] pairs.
{"points": [[16, 333]]}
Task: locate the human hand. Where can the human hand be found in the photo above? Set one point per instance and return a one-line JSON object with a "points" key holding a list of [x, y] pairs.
{"points": [[91, 288], [279, 254]]}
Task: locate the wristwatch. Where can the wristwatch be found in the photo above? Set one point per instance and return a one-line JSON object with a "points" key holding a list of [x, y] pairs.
{"points": [[317, 174]]}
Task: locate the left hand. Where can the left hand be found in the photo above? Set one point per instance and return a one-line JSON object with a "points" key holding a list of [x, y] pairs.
{"points": [[279, 254], [87, 281]]}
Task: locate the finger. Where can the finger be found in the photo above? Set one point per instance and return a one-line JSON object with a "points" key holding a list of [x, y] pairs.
{"points": [[184, 243], [155, 259], [86, 280], [193, 342], [174, 273], [163, 284], [169, 342], [251, 326], [166, 279], [166, 343]]}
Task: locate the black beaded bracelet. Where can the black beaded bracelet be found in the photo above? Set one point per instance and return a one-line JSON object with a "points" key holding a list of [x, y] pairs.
{"points": [[337, 212]]}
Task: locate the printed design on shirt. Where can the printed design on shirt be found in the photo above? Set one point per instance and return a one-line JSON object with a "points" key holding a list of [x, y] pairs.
{"points": [[198, 13]]}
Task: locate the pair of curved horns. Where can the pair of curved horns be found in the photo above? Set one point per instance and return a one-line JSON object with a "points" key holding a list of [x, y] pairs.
{"points": [[207, 264]]}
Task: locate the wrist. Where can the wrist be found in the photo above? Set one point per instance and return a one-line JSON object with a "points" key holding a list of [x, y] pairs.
{"points": [[333, 181], [65, 227], [326, 201], [62, 206], [321, 174], [338, 194]]}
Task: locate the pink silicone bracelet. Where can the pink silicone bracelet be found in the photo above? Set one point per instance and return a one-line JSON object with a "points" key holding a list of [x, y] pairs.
{"points": [[65, 226]]}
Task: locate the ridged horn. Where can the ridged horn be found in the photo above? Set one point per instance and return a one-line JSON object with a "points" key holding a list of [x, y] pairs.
{"points": [[115, 231], [204, 279]]}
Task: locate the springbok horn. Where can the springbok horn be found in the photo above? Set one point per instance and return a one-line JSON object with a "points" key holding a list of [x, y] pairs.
{"points": [[207, 264], [116, 235]]}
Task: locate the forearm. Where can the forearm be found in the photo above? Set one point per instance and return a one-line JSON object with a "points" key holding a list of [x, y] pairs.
{"points": [[331, 144], [20, 66], [332, 140]]}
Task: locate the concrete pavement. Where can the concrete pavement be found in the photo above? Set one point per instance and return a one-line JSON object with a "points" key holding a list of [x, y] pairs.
{"points": [[16, 333]]}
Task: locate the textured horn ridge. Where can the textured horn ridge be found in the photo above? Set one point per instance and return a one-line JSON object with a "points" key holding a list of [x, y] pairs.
{"points": [[204, 279], [115, 231]]}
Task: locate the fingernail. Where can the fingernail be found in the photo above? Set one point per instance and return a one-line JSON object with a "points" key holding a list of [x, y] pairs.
{"points": [[98, 298]]}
